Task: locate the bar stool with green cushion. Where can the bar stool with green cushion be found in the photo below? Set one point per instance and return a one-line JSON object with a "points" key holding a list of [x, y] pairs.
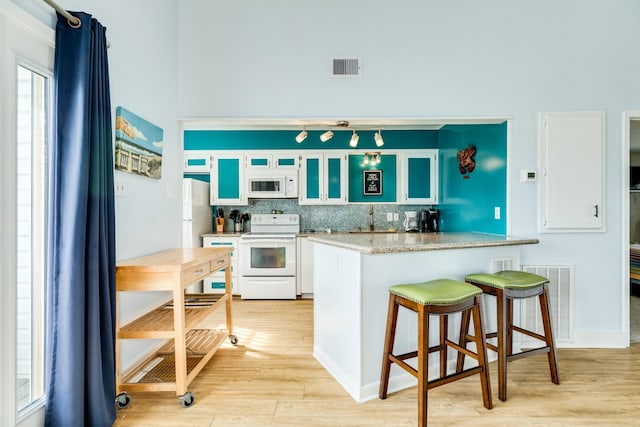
{"points": [[506, 286], [437, 297]]}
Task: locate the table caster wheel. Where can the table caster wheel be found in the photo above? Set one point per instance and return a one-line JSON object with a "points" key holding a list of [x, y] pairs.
{"points": [[187, 399], [123, 400], [233, 339]]}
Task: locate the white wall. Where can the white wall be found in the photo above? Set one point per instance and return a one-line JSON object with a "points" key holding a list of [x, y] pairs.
{"points": [[437, 59], [143, 77]]}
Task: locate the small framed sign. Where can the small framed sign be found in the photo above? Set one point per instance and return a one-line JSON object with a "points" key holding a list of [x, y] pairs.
{"points": [[372, 182]]}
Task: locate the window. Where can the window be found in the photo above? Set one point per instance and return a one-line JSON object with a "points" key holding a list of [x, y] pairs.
{"points": [[31, 175]]}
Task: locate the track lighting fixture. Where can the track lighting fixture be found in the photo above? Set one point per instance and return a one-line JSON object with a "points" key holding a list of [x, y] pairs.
{"points": [[377, 137], [301, 136], [326, 136], [354, 140], [340, 125]]}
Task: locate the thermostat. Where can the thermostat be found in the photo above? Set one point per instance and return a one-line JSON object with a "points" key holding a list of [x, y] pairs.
{"points": [[527, 176]]}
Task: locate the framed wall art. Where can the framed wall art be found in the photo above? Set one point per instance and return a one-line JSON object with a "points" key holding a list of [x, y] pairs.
{"points": [[138, 145]]}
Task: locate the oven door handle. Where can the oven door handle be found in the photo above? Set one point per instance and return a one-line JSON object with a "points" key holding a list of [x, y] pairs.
{"points": [[266, 240]]}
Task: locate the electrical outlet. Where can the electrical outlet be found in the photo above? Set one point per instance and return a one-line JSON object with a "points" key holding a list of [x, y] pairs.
{"points": [[389, 216], [396, 216]]}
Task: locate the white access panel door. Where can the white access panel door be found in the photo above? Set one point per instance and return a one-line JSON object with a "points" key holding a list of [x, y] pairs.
{"points": [[572, 145]]}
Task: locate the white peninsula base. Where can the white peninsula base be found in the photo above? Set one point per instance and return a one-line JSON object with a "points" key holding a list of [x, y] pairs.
{"points": [[350, 306]]}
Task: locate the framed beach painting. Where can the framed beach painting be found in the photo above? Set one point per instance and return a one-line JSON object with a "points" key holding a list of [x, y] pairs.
{"points": [[138, 145]]}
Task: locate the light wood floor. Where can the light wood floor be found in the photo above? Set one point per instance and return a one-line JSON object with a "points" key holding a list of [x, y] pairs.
{"points": [[271, 379]]}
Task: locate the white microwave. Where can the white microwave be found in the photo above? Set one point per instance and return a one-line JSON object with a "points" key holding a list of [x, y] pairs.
{"points": [[272, 186]]}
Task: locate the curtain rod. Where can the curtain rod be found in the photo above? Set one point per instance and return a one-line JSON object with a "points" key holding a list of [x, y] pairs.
{"points": [[73, 21]]}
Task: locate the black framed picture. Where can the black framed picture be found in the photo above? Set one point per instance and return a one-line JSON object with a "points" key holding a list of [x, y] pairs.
{"points": [[372, 182]]}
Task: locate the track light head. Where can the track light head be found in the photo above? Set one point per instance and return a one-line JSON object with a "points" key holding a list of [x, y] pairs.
{"points": [[326, 136], [301, 136], [354, 140], [377, 137]]}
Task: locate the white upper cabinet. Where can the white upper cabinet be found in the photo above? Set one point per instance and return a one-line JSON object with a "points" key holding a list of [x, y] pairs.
{"points": [[323, 179], [572, 166], [272, 161], [227, 180], [419, 177], [197, 161]]}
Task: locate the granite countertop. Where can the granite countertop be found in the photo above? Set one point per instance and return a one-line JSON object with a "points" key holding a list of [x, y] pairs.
{"points": [[380, 243]]}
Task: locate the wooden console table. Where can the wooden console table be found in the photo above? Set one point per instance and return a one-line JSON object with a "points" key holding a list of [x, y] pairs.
{"points": [[188, 348]]}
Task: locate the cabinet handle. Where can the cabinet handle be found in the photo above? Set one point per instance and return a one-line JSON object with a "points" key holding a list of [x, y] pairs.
{"points": [[220, 261], [596, 213], [198, 271]]}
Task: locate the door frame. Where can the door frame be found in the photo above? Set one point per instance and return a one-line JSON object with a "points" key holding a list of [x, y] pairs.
{"points": [[35, 51], [627, 117]]}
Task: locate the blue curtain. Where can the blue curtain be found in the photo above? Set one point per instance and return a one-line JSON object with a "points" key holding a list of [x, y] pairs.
{"points": [[80, 363]]}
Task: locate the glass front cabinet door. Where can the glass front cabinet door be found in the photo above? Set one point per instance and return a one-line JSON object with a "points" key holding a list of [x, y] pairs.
{"points": [[323, 179], [227, 180], [419, 181]]}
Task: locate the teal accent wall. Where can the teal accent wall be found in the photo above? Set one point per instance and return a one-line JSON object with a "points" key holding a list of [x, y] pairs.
{"points": [[204, 177], [468, 204], [313, 179], [285, 140], [419, 178], [287, 162], [259, 162], [465, 204], [333, 178], [230, 168], [388, 167]]}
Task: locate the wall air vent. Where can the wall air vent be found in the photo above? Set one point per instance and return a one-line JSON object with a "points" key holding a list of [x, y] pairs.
{"points": [[346, 67]]}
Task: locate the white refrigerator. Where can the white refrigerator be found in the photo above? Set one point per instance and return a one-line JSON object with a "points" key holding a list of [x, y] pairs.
{"points": [[197, 216]]}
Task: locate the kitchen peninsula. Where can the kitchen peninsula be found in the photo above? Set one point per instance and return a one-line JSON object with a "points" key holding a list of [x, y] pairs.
{"points": [[352, 275]]}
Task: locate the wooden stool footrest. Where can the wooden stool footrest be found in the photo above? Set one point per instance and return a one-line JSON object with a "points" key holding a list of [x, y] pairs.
{"points": [[460, 349], [400, 362], [530, 333], [527, 353], [454, 377]]}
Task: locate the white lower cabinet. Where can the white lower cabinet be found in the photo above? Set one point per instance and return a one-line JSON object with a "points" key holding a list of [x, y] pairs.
{"points": [[214, 284], [305, 267]]}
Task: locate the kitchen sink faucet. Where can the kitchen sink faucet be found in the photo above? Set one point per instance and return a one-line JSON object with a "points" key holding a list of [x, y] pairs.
{"points": [[371, 217]]}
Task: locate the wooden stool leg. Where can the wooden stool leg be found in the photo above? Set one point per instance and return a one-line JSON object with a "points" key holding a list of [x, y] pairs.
{"points": [[444, 332], [481, 350], [462, 341], [501, 304], [392, 320], [509, 302], [548, 333], [423, 365]]}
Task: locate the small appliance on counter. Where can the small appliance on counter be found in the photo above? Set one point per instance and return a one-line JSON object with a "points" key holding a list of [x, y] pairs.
{"points": [[429, 219], [410, 222]]}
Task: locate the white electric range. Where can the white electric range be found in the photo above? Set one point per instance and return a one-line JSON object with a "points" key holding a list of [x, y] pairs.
{"points": [[268, 257]]}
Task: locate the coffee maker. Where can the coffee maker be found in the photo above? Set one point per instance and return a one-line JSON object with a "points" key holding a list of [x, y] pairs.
{"points": [[410, 222], [429, 220]]}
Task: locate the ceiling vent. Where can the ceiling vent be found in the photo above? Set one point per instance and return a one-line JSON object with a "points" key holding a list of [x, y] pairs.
{"points": [[346, 67]]}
